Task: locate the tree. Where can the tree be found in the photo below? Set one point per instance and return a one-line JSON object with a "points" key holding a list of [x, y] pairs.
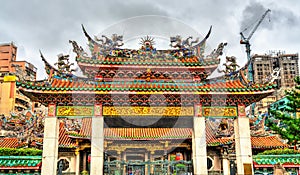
{"points": [[289, 125]]}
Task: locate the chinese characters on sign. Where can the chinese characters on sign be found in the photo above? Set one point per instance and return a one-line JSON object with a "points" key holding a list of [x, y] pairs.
{"points": [[85, 111], [147, 111], [219, 111], [64, 111]]}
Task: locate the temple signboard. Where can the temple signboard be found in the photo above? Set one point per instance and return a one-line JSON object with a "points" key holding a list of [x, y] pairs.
{"points": [[72, 111], [147, 111], [230, 111]]}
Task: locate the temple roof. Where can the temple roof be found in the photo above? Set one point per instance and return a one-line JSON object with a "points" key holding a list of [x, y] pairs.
{"points": [[64, 140], [136, 133], [114, 134], [59, 85], [173, 133], [183, 52], [105, 54], [20, 162], [9, 142], [183, 69], [267, 142], [190, 62], [287, 160]]}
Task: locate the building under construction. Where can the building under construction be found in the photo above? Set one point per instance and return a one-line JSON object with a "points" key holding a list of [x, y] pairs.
{"points": [[266, 65]]}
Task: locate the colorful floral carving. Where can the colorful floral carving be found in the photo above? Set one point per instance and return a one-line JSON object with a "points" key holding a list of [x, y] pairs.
{"points": [[75, 111], [219, 111], [147, 111]]}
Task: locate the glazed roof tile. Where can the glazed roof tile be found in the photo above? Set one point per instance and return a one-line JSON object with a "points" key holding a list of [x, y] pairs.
{"points": [[86, 130], [20, 162], [154, 61], [174, 133], [147, 133], [211, 131], [65, 86], [103, 54], [136, 133], [9, 142], [220, 141], [284, 159], [64, 140], [267, 142]]}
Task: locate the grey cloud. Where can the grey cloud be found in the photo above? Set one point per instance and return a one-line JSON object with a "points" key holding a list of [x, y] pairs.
{"points": [[48, 25], [278, 17], [285, 17], [251, 15]]}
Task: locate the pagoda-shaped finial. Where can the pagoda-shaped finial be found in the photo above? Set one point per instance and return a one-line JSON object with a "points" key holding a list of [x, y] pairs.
{"points": [[147, 43]]}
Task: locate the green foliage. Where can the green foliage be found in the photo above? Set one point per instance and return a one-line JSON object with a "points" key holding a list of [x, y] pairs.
{"points": [[279, 152], [20, 152], [172, 157], [289, 126], [84, 172], [180, 165]]}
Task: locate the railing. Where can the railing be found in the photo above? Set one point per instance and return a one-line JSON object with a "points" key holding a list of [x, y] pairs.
{"points": [[160, 167]]}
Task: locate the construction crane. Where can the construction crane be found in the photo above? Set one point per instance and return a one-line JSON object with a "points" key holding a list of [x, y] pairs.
{"points": [[245, 40]]}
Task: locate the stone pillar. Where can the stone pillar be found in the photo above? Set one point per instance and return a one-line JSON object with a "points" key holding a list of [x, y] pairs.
{"points": [[243, 143], [73, 164], [119, 155], [152, 160], [50, 145], [226, 166], [77, 153], [84, 161], [97, 146], [199, 146], [146, 160], [124, 159]]}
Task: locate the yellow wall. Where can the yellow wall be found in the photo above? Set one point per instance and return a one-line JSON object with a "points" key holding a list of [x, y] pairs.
{"points": [[8, 94]]}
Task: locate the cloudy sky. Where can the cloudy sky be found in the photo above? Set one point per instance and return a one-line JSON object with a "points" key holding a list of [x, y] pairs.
{"points": [[48, 26]]}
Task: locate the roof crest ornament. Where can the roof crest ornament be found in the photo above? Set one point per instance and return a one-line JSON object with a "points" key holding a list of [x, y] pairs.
{"points": [[64, 67], [108, 44], [180, 43]]}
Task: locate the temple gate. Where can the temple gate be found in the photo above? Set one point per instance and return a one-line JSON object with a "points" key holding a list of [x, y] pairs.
{"points": [[159, 97]]}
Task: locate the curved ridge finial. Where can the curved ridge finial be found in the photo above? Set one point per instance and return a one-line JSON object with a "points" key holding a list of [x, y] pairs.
{"points": [[204, 39], [208, 34], [86, 34]]}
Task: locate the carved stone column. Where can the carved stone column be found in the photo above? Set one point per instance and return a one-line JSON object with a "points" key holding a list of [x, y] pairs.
{"points": [[243, 143], [199, 144], [152, 160], [97, 145], [84, 161], [50, 145], [226, 166], [146, 160], [77, 153], [124, 159]]}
